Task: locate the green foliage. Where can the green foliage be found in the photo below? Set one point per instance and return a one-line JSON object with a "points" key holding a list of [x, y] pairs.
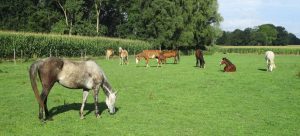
{"points": [[73, 46], [172, 24], [266, 34]]}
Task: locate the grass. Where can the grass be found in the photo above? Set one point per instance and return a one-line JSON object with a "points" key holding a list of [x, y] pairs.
{"points": [[176, 99]]}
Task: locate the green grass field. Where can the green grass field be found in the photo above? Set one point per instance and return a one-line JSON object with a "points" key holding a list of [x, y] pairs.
{"points": [[176, 99]]}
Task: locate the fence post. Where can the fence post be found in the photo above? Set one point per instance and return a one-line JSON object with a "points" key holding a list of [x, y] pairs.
{"points": [[15, 56], [50, 53], [21, 54]]}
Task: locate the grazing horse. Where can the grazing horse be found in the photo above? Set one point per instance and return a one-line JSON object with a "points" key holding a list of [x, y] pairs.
{"points": [[169, 54], [161, 59], [147, 54], [199, 58], [269, 57], [86, 75], [109, 53], [229, 67], [123, 56]]}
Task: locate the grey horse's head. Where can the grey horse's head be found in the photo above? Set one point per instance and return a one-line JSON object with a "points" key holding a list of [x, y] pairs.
{"points": [[110, 102]]}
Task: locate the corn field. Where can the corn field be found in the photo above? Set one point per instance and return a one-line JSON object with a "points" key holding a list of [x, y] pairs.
{"points": [[30, 45], [293, 50]]}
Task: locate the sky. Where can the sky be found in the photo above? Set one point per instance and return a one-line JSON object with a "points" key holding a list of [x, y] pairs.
{"points": [[241, 14]]}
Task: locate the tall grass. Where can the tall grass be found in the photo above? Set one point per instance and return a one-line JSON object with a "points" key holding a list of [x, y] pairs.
{"points": [[41, 45]]}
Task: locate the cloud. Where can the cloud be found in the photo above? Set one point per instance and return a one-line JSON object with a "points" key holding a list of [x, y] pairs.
{"points": [[240, 13]]}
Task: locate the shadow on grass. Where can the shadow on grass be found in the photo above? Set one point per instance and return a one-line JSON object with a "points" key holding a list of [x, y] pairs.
{"points": [[145, 66], [262, 69], [90, 107]]}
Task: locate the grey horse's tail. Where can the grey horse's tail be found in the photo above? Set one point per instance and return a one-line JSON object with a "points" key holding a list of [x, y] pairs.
{"points": [[32, 75]]}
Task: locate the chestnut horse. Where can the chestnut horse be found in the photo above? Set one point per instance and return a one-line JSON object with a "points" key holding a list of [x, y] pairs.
{"points": [[199, 58], [123, 54], [109, 53], [229, 67], [86, 75], [169, 54], [147, 54], [269, 57]]}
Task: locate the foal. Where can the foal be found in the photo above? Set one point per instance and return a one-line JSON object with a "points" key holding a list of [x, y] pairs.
{"points": [[229, 67], [109, 53], [123, 54]]}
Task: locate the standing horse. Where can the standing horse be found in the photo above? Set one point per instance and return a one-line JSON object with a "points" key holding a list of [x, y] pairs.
{"points": [[229, 67], [123, 54], [199, 58], [86, 75], [147, 54], [109, 53], [169, 54], [269, 57], [161, 59]]}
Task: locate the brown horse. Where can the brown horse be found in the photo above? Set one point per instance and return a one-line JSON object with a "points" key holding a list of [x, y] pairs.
{"points": [[169, 54], [147, 54], [199, 58], [86, 75], [161, 59], [123, 54], [109, 53], [229, 67]]}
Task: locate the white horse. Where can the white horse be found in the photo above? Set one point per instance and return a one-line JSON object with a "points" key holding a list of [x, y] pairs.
{"points": [[270, 56]]}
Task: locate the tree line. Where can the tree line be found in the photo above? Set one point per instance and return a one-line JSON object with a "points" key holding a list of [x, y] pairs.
{"points": [[164, 23], [266, 34]]}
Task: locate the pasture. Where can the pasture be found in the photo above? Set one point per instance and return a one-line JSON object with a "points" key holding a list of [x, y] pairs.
{"points": [[175, 99]]}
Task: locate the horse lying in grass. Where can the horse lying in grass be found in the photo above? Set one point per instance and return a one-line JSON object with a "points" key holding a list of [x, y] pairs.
{"points": [[199, 58], [86, 75], [229, 67], [147, 54], [269, 57]]}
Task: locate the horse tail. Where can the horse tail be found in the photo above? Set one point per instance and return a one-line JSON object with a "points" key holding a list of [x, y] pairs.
{"points": [[33, 74]]}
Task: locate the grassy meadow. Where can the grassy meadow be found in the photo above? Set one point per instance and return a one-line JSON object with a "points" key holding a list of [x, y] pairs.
{"points": [[176, 99]]}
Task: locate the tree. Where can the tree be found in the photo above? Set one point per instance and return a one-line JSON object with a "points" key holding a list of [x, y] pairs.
{"points": [[282, 36], [173, 23], [71, 11], [270, 31], [266, 34], [98, 11], [293, 40]]}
